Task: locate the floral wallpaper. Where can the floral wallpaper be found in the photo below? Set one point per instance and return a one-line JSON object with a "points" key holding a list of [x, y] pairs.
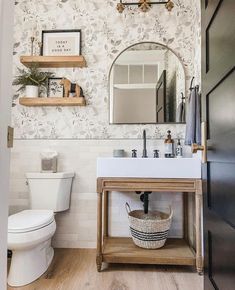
{"points": [[105, 33]]}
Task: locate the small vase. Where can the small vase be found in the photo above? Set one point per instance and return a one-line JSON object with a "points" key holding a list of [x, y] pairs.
{"points": [[31, 91]]}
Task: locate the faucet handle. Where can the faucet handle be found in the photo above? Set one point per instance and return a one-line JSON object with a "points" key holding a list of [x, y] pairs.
{"points": [[155, 153], [134, 153]]}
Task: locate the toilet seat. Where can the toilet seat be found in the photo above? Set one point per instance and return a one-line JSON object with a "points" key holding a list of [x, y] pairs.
{"points": [[29, 220]]}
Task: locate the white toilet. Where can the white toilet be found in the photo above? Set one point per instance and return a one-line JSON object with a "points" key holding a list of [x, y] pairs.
{"points": [[30, 231]]}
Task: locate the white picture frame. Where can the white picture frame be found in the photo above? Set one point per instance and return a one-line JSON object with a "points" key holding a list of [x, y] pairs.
{"points": [[61, 42]]}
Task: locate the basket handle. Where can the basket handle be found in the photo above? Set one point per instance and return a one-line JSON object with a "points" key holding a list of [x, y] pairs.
{"points": [[171, 212], [128, 208]]}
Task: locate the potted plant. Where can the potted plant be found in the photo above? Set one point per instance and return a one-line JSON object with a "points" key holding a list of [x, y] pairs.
{"points": [[31, 79]]}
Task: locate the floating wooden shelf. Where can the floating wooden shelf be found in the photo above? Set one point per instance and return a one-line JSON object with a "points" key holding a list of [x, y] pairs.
{"points": [[123, 250], [36, 102], [54, 61]]}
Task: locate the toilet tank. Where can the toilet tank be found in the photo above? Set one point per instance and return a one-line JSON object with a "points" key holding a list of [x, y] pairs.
{"points": [[50, 191]]}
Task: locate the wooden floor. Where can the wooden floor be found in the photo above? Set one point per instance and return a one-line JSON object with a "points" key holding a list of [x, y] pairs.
{"points": [[75, 269]]}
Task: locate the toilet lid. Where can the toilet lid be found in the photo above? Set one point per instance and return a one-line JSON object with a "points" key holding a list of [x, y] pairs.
{"points": [[29, 220]]}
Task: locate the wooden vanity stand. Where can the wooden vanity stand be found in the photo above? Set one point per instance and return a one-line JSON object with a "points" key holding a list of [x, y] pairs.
{"points": [[123, 250]]}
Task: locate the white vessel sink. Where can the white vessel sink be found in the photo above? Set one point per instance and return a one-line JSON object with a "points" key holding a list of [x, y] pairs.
{"points": [[149, 167]]}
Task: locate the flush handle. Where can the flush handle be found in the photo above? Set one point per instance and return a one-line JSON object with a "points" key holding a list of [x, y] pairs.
{"points": [[203, 147], [10, 137]]}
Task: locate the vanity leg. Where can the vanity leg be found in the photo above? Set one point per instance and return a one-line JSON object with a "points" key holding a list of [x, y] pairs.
{"points": [[106, 213], [198, 205], [185, 216], [99, 232]]}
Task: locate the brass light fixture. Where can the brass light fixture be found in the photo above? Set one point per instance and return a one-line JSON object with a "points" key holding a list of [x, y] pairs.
{"points": [[144, 5]]}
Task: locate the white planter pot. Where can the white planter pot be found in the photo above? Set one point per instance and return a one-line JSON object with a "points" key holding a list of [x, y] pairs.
{"points": [[31, 91]]}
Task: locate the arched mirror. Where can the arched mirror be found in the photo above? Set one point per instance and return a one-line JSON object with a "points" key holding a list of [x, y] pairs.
{"points": [[147, 86]]}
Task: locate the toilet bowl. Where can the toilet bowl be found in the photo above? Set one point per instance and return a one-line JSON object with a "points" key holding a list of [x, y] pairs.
{"points": [[30, 231], [29, 239]]}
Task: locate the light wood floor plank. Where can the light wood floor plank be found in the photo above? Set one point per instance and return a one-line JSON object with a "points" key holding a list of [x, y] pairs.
{"points": [[75, 269]]}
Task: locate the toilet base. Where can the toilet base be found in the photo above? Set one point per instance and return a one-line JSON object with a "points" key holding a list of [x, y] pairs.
{"points": [[32, 263]]}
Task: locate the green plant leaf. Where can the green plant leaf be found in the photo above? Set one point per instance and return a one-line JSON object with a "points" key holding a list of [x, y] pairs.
{"points": [[31, 77]]}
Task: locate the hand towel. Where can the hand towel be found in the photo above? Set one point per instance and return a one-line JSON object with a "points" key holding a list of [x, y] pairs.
{"points": [[193, 119]]}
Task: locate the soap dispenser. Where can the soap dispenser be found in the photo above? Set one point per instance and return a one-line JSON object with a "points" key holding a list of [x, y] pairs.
{"points": [[179, 150], [169, 146]]}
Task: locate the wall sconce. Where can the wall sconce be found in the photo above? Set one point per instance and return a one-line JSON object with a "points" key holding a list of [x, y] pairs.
{"points": [[144, 5]]}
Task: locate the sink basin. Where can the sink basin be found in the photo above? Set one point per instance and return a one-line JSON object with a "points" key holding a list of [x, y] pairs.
{"points": [[149, 167]]}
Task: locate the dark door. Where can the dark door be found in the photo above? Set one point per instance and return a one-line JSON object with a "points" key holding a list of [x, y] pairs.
{"points": [[161, 98], [218, 91]]}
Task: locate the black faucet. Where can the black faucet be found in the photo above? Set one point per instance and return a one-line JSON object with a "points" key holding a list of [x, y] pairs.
{"points": [[155, 153], [134, 153], [144, 147]]}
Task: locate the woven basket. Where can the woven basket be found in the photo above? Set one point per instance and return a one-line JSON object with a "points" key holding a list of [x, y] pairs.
{"points": [[150, 230]]}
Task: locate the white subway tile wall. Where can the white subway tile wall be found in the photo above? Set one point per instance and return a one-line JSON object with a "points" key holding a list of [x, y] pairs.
{"points": [[77, 226]]}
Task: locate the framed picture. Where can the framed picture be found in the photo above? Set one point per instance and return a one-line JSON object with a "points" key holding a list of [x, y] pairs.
{"points": [[55, 89], [61, 42]]}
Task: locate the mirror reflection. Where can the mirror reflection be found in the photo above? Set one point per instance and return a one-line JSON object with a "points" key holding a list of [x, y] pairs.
{"points": [[147, 86]]}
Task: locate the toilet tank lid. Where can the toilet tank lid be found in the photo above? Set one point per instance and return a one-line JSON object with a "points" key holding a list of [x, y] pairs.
{"points": [[42, 175]]}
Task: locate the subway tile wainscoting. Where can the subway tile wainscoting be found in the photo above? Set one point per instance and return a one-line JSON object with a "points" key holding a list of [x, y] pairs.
{"points": [[76, 228]]}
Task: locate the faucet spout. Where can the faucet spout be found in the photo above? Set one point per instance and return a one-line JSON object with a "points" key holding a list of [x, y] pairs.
{"points": [[144, 145]]}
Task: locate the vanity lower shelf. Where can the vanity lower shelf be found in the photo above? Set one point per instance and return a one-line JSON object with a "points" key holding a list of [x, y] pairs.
{"points": [[123, 250]]}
